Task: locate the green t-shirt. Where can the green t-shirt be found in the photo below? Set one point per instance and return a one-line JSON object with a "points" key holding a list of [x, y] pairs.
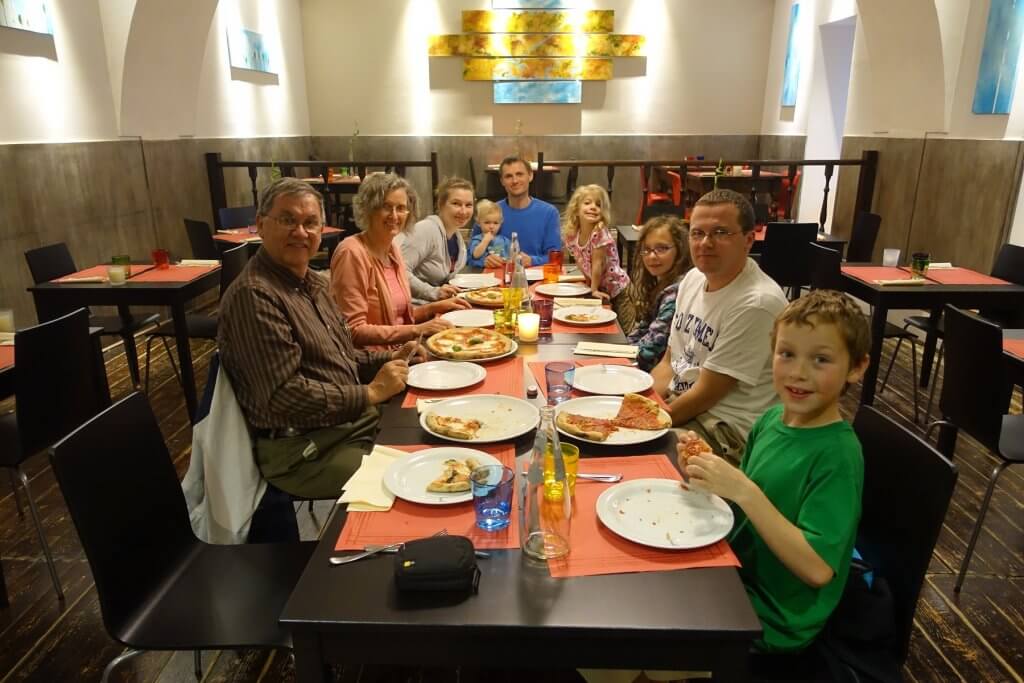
{"points": [[815, 478]]}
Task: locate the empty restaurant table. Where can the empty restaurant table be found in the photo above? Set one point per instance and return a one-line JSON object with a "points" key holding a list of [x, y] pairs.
{"points": [[173, 287]]}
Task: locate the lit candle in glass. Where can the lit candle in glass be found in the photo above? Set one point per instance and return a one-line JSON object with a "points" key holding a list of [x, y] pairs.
{"points": [[116, 275], [529, 325]]}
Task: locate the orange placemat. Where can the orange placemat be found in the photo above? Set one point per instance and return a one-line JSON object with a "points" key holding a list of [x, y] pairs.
{"points": [[175, 273], [1014, 346], [537, 368], [405, 520], [6, 356], [962, 276], [872, 273], [101, 271], [504, 377], [608, 328], [596, 550]]}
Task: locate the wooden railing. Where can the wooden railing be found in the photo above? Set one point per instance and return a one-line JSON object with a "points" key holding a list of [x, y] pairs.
{"points": [[215, 166], [868, 164]]}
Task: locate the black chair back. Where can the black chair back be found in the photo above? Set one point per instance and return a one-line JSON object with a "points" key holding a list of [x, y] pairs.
{"points": [[123, 494], [975, 388], [201, 239], [898, 529], [826, 268], [231, 264], [55, 382], [50, 262], [1009, 264], [786, 252], [861, 248], [237, 216]]}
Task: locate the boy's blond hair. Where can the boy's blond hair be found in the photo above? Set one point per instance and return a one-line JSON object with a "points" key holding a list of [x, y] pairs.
{"points": [[827, 306], [485, 207]]}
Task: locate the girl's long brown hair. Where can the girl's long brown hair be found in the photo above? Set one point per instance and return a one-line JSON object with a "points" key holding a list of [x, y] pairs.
{"points": [[643, 290]]}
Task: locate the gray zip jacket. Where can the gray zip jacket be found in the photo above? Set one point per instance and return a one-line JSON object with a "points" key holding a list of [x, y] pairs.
{"points": [[425, 252]]}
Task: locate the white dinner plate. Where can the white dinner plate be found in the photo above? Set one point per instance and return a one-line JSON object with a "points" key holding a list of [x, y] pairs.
{"points": [[440, 375], [408, 476], [597, 315], [563, 289], [474, 281], [534, 274], [610, 379], [502, 417], [511, 351], [661, 514], [607, 407], [470, 317]]}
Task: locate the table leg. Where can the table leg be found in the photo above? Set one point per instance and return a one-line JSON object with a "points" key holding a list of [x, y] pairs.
{"points": [[309, 662], [130, 352], [930, 342], [878, 318], [100, 373], [188, 378]]}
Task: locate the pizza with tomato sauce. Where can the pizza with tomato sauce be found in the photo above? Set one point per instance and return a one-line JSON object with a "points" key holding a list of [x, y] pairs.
{"points": [[585, 427], [635, 412]]}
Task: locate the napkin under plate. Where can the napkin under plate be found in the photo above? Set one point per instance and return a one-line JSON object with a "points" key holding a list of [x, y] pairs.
{"points": [[365, 490]]}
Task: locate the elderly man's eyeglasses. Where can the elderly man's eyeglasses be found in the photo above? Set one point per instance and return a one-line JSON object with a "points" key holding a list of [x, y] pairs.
{"points": [[660, 250], [288, 222], [716, 235], [398, 210]]}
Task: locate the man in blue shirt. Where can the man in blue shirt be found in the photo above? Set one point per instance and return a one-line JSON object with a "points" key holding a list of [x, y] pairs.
{"points": [[535, 221]]}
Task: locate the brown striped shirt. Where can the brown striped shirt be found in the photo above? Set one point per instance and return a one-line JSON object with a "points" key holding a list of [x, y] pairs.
{"points": [[288, 350]]}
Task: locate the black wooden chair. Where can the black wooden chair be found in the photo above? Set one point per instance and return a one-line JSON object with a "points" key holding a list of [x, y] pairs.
{"points": [[861, 248], [56, 391], [54, 261], [974, 399], [236, 216], [198, 325], [201, 239], [786, 254], [826, 273], [897, 531], [159, 587]]}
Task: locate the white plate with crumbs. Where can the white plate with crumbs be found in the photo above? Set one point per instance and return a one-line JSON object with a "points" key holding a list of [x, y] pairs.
{"points": [[474, 281], [563, 289], [408, 477], [442, 375], [661, 514], [470, 317], [502, 418], [611, 379]]}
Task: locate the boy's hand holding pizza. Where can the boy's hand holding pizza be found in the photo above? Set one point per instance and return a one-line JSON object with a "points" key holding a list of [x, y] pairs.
{"points": [[704, 470]]}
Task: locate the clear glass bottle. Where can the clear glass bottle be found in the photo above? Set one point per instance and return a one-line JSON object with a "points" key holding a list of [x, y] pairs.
{"points": [[545, 520], [516, 285]]}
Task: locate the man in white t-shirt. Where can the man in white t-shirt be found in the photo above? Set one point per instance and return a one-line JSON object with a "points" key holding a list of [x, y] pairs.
{"points": [[717, 374]]}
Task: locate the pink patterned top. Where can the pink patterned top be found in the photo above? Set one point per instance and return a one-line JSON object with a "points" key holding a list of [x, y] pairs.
{"points": [[399, 295], [614, 279]]}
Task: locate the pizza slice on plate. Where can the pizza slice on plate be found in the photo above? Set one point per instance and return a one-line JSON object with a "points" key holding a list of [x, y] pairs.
{"points": [[640, 412], [455, 427], [454, 477], [593, 428]]}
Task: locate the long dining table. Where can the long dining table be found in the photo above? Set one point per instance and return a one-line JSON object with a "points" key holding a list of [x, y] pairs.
{"points": [[173, 287], [522, 617]]}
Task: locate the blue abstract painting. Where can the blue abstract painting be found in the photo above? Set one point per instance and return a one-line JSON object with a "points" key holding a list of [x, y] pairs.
{"points": [[247, 51], [28, 15], [997, 73], [791, 72], [532, 4], [538, 92]]}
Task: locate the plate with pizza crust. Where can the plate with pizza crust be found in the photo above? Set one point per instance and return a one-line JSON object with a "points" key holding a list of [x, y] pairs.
{"points": [[474, 281], [606, 408], [584, 315], [409, 476], [500, 418], [562, 289], [661, 514], [613, 380], [470, 344], [442, 375]]}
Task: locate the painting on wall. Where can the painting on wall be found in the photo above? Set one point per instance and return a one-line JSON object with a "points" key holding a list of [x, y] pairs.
{"points": [[791, 72], [532, 4], [247, 51], [538, 92], [997, 72], [27, 15]]}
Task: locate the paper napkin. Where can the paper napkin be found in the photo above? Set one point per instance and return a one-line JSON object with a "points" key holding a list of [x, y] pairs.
{"points": [[599, 349], [6, 339], [910, 281], [199, 262], [570, 301], [365, 490], [88, 278], [940, 265], [571, 278]]}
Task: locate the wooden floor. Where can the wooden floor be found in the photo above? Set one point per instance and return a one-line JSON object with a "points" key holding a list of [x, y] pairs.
{"points": [[974, 637]]}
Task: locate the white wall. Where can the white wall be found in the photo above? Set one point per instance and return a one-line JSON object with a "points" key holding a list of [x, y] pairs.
{"points": [[692, 82], [64, 97]]}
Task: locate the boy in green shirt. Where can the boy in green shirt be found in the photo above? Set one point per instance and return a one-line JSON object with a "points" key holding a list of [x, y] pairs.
{"points": [[797, 492]]}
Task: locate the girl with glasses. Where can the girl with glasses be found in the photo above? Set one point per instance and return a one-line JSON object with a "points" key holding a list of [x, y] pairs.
{"points": [[662, 258]]}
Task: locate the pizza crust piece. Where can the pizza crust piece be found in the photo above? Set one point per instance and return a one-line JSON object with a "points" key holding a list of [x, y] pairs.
{"points": [[454, 477], [570, 424], [455, 427]]}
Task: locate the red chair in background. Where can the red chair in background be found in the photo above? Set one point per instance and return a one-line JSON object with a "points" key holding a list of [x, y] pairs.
{"points": [[666, 202], [784, 200]]}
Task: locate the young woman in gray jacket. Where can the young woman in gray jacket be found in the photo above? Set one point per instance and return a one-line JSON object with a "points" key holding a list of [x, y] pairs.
{"points": [[434, 250]]}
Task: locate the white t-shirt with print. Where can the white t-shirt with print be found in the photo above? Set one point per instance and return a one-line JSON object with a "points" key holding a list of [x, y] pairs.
{"points": [[728, 331]]}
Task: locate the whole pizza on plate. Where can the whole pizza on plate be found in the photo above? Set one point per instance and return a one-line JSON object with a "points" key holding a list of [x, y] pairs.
{"points": [[469, 343], [491, 296]]}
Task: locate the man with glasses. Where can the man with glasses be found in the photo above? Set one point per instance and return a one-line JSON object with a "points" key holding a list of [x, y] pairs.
{"points": [[308, 395], [717, 374]]}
